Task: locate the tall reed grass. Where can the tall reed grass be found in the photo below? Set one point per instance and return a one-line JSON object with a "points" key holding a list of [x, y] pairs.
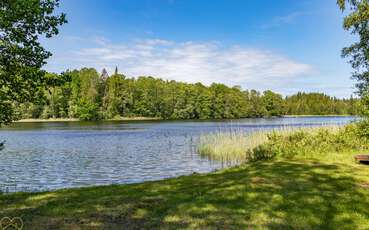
{"points": [[236, 146], [230, 146]]}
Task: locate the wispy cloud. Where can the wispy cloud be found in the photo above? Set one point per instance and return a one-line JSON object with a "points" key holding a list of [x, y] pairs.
{"points": [[290, 18], [205, 62]]}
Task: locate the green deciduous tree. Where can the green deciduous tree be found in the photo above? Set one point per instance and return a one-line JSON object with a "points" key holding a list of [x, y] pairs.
{"points": [[22, 22], [273, 103], [86, 95], [357, 22], [117, 97]]}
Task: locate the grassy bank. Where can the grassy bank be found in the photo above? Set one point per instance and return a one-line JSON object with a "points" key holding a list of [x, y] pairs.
{"points": [[280, 194], [312, 182]]}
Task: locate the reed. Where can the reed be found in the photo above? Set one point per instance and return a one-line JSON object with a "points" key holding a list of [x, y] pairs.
{"points": [[237, 146], [230, 146]]}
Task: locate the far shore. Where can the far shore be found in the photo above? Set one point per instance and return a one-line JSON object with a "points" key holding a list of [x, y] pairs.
{"points": [[326, 115], [151, 118], [76, 119]]}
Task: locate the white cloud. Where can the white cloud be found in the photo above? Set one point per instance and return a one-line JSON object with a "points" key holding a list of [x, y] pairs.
{"points": [[205, 62]]}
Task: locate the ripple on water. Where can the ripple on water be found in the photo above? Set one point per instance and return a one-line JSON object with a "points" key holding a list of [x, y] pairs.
{"points": [[47, 156]]}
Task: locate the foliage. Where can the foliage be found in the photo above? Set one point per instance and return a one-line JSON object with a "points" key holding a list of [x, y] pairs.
{"points": [[273, 103], [235, 147], [364, 128], [320, 104], [357, 22], [22, 22], [6, 112], [364, 123], [303, 143], [87, 110], [101, 96]]}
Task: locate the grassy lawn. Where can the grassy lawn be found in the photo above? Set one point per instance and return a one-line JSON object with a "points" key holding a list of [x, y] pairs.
{"points": [[275, 194]]}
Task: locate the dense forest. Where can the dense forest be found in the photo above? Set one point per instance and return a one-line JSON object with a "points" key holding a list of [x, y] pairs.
{"points": [[88, 95]]}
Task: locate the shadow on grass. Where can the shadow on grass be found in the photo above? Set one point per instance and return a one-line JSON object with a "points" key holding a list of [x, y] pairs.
{"points": [[270, 195]]}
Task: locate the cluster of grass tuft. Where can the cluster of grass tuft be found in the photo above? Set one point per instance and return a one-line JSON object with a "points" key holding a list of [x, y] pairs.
{"points": [[230, 147], [323, 142]]}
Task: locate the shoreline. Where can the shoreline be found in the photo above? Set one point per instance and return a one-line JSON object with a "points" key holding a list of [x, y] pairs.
{"points": [[326, 115], [30, 120]]}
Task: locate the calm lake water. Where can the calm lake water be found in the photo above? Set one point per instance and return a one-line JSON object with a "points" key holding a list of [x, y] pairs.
{"points": [[47, 156]]}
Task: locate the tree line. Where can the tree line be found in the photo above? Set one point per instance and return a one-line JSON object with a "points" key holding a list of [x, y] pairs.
{"points": [[87, 95]]}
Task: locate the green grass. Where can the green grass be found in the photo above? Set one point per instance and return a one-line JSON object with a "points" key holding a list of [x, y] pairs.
{"points": [[309, 190], [278, 194], [318, 142]]}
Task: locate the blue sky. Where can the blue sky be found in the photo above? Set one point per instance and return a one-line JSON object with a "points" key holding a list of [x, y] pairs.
{"points": [[285, 45]]}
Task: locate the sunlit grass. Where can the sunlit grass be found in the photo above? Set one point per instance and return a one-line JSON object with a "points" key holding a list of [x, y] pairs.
{"points": [[277, 194]]}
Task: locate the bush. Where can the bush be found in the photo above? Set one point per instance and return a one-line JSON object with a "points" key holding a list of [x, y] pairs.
{"points": [[313, 142], [261, 152], [363, 128]]}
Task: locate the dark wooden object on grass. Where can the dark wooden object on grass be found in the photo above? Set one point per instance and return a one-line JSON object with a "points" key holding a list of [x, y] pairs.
{"points": [[364, 158]]}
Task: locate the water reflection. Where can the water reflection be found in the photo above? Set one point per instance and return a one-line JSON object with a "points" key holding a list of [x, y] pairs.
{"points": [[46, 156]]}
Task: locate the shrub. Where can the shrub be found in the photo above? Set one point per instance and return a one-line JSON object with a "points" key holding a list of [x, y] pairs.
{"points": [[314, 142], [363, 128]]}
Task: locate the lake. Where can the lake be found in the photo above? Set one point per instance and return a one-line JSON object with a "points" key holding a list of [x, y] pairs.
{"points": [[54, 155]]}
